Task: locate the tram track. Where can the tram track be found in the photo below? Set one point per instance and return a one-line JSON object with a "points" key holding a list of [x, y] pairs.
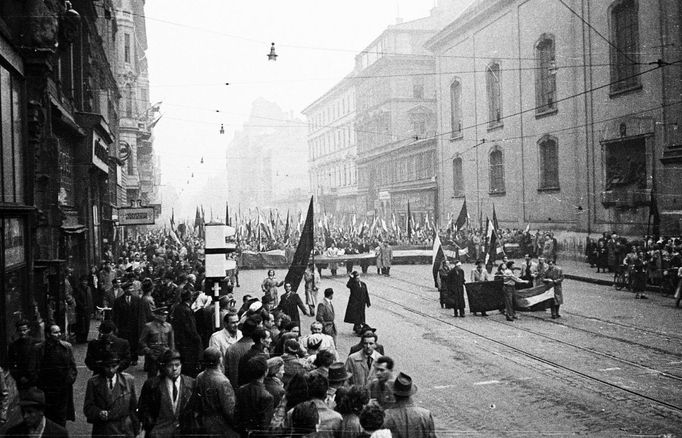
{"points": [[536, 357]]}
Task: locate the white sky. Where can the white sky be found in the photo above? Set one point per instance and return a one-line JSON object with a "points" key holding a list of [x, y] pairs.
{"points": [[197, 46]]}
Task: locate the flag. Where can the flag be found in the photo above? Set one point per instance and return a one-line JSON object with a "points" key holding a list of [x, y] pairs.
{"points": [[286, 228], [495, 223], [485, 296], [527, 228], [409, 221], [463, 217], [653, 213], [172, 219], [535, 298], [197, 220], [436, 259], [491, 250], [227, 214], [302, 255]]}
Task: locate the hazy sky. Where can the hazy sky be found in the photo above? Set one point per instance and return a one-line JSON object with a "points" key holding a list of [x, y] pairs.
{"points": [[195, 47]]}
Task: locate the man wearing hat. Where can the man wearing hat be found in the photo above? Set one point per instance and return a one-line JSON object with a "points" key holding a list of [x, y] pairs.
{"points": [[455, 289], [35, 424], [273, 380], [404, 419], [107, 342], [216, 397], [357, 301], [164, 399], [292, 363], [337, 377], [111, 401], [187, 338], [157, 336], [128, 315], [84, 309]]}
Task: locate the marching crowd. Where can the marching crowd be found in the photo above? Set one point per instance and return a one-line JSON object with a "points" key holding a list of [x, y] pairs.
{"points": [[257, 375]]}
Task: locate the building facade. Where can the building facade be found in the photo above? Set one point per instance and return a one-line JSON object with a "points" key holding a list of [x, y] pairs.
{"points": [[563, 117], [332, 149]]}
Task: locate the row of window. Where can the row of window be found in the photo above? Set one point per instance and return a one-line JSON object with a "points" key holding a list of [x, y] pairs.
{"points": [[333, 140], [548, 154], [398, 170], [332, 112], [624, 30], [339, 175]]}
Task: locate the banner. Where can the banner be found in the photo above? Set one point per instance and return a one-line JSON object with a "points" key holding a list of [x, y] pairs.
{"points": [[302, 255], [485, 296]]}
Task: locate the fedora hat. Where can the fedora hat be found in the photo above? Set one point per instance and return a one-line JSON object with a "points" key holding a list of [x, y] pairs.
{"points": [[161, 310], [403, 386], [337, 373], [109, 358]]}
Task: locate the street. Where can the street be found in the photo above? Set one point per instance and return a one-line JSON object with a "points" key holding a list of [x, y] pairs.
{"points": [[610, 366]]}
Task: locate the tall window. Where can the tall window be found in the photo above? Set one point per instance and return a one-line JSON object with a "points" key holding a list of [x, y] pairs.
{"points": [[549, 163], [493, 85], [126, 47], [624, 45], [129, 101], [496, 160], [455, 108], [11, 139], [418, 87], [457, 178], [545, 75]]}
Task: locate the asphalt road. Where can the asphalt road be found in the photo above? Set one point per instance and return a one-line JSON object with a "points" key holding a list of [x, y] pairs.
{"points": [[611, 366]]}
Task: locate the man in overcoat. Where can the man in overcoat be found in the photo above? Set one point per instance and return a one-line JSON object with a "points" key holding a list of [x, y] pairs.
{"points": [[55, 369], [455, 289], [554, 277], [290, 303], [186, 335], [357, 301], [32, 404], [216, 399], [111, 401], [325, 314], [128, 315], [107, 342], [404, 419], [164, 399], [386, 258], [84, 307]]}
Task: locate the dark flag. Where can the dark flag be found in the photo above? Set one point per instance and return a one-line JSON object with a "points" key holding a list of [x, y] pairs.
{"points": [[227, 214], [491, 252], [463, 216], [197, 221], [495, 224], [286, 229], [302, 255], [409, 221], [437, 258], [485, 296], [653, 213]]}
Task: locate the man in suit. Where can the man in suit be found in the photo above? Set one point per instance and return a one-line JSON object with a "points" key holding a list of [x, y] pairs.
{"points": [[290, 302], [84, 308], [235, 351], [404, 419], [255, 405], [325, 314], [360, 365], [187, 338], [528, 271], [32, 402], [164, 399], [107, 342], [554, 277], [128, 316], [111, 401]]}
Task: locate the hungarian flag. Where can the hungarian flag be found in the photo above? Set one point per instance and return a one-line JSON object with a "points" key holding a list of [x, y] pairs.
{"points": [[437, 258], [535, 298], [491, 253], [485, 296], [302, 255], [463, 217]]}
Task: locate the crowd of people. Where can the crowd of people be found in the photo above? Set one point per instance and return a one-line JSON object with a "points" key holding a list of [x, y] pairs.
{"points": [[649, 261], [256, 375]]}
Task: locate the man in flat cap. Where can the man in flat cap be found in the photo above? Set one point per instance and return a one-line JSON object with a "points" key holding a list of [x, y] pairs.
{"points": [[157, 336], [35, 424]]}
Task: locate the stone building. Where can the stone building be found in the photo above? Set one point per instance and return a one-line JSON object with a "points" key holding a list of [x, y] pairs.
{"points": [[332, 149], [564, 116]]}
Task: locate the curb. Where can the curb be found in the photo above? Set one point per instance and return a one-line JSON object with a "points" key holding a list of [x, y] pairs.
{"points": [[599, 281]]}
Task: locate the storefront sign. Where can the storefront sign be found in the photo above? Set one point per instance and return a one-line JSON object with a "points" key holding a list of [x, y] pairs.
{"points": [[136, 216], [100, 153]]}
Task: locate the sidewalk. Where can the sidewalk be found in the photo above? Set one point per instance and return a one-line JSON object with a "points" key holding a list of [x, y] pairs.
{"points": [[580, 271]]}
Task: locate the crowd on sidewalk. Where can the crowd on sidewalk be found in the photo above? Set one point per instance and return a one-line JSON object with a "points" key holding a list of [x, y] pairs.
{"points": [[256, 375]]}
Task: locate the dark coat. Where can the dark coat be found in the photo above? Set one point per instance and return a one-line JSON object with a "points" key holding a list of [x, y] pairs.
{"points": [[289, 304], [244, 374], [408, 421], [357, 301], [114, 344], [325, 315], [216, 402], [19, 357], [454, 299], [129, 319], [54, 366], [187, 339], [155, 407], [255, 407], [232, 356], [120, 403], [52, 430]]}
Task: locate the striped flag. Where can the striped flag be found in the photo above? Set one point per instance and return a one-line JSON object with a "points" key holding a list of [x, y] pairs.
{"points": [[535, 298], [436, 259]]}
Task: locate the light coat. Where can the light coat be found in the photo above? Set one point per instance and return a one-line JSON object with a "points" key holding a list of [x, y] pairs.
{"points": [[356, 366]]}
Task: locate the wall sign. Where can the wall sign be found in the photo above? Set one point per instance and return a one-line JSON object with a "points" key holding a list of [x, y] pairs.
{"points": [[136, 216]]}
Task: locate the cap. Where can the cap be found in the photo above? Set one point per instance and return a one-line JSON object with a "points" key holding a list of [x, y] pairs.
{"points": [[32, 397], [337, 373], [161, 310], [314, 341], [354, 274], [291, 346], [255, 306]]}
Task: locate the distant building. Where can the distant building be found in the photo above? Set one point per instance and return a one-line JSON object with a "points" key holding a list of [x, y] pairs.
{"points": [[564, 120], [266, 161], [332, 149]]}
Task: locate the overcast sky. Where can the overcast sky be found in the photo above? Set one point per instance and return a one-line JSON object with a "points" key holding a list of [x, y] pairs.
{"points": [[195, 47]]}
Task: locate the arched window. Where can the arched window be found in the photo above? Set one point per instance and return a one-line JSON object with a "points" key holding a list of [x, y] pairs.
{"points": [[455, 109], [496, 160], [493, 88], [457, 178], [624, 45], [545, 75], [549, 163]]}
